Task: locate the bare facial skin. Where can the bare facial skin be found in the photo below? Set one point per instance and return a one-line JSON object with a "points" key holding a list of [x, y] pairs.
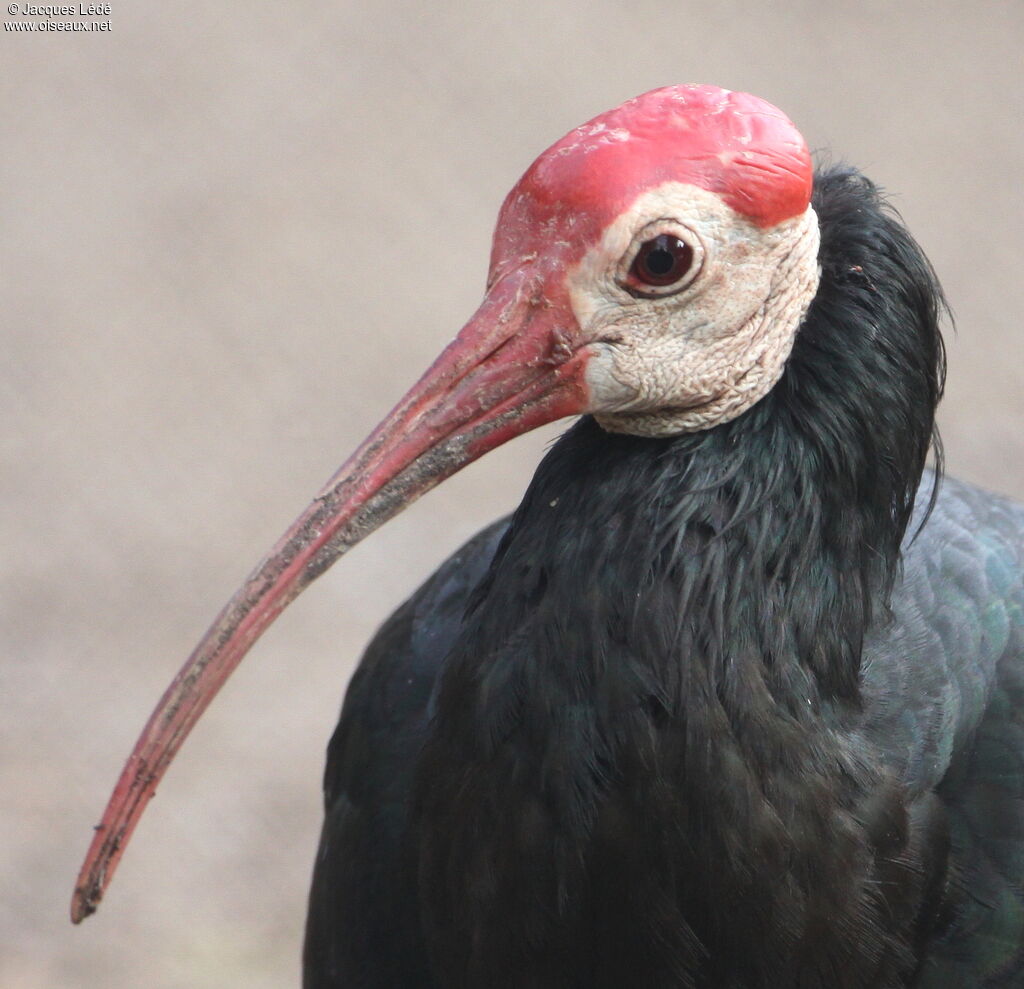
{"points": [[687, 356]]}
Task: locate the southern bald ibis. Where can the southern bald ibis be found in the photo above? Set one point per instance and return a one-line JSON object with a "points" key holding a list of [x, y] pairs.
{"points": [[736, 697]]}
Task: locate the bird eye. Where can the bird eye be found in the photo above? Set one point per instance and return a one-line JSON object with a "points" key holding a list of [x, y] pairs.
{"points": [[661, 261]]}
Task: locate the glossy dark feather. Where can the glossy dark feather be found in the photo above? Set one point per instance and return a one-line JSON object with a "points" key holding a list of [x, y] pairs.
{"points": [[691, 718]]}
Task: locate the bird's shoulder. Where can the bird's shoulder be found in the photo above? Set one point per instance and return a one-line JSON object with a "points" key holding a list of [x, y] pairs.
{"points": [[944, 699], [388, 701], [952, 636]]}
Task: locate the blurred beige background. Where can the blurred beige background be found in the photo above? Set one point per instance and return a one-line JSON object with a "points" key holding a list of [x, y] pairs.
{"points": [[231, 235]]}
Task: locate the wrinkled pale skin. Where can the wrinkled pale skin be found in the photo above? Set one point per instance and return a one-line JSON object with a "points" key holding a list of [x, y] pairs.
{"points": [[708, 347]]}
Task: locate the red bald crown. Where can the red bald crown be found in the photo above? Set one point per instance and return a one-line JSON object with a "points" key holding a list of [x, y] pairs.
{"points": [[734, 145]]}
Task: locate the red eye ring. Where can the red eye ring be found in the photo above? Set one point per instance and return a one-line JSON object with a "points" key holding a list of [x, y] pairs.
{"points": [[661, 261]]}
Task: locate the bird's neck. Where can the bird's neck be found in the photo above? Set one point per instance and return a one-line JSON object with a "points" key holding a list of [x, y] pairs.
{"points": [[693, 567], [650, 694]]}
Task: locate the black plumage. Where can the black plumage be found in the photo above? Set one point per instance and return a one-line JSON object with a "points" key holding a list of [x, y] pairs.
{"points": [[737, 708]]}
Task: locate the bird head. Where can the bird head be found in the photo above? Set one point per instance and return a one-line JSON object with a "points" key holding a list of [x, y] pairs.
{"points": [[651, 268]]}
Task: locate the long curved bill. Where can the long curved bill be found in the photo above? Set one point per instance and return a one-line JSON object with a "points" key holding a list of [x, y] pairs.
{"points": [[509, 370]]}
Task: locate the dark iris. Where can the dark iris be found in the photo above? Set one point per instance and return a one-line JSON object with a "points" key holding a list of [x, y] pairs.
{"points": [[661, 261]]}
